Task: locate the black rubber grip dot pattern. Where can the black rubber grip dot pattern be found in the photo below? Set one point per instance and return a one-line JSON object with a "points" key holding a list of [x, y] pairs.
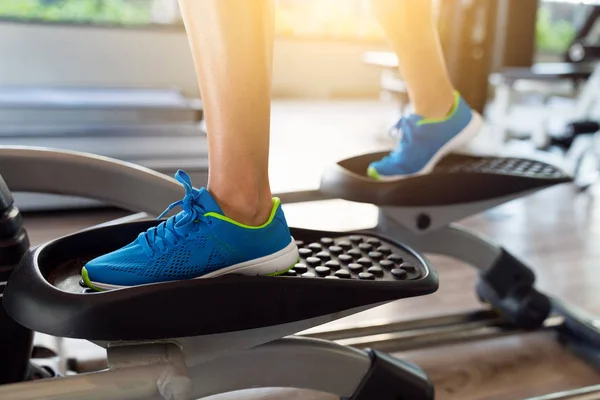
{"points": [[359, 257], [508, 166]]}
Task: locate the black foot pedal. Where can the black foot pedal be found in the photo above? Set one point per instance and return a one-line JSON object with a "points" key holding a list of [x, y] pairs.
{"points": [[338, 274]]}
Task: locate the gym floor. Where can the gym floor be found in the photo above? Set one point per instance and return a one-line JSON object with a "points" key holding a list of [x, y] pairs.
{"points": [[555, 231]]}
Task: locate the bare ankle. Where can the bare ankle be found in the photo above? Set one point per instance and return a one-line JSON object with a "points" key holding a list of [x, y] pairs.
{"points": [[434, 107], [249, 209]]}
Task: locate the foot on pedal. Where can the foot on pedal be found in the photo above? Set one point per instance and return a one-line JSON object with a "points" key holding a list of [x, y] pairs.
{"points": [[198, 242], [424, 142]]}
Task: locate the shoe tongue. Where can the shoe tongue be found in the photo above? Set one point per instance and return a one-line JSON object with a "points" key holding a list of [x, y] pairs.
{"points": [[208, 202]]}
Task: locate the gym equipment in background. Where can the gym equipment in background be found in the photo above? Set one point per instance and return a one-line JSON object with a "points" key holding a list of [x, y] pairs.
{"points": [[577, 70], [246, 350], [584, 46], [156, 128], [581, 138], [581, 145]]}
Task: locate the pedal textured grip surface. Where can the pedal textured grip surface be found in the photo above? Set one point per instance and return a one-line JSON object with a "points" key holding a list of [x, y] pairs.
{"points": [[359, 257], [506, 166]]}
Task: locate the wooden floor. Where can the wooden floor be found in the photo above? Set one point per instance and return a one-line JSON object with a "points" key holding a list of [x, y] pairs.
{"points": [[556, 231]]}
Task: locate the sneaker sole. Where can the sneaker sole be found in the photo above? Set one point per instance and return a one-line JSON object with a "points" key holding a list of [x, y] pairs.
{"points": [[272, 265], [458, 141]]}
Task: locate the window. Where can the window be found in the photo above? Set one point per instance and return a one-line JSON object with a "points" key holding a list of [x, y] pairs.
{"points": [[327, 19], [320, 19], [557, 23], [120, 12]]}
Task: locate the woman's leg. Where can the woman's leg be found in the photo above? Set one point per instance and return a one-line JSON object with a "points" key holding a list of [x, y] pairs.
{"points": [[235, 226], [442, 121], [232, 48], [411, 30]]}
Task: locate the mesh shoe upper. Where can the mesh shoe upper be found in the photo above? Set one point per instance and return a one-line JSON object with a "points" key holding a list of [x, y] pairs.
{"points": [[421, 139], [196, 241]]}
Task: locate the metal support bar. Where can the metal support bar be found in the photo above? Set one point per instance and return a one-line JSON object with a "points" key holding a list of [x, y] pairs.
{"points": [[443, 336], [421, 220], [431, 332], [585, 393], [504, 281], [137, 383], [123, 220], [303, 196], [580, 333], [291, 362], [158, 371], [41, 170], [119, 183], [451, 240], [145, 378], [484, 317]]}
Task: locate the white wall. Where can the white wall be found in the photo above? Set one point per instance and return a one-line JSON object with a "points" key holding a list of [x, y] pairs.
{"points": [[70, 55], [323, 69], [32, 54]]}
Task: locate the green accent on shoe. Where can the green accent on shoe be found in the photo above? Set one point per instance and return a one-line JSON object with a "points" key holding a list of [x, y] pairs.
{"points": [[284, 271], [372, 172], [276, 202], [447, 117], [88, 283]]}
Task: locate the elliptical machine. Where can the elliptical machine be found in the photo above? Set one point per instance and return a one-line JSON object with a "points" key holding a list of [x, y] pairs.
{"points": [[154, 353], [157, 352]]}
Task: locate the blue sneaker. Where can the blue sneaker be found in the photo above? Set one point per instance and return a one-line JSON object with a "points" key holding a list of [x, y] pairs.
{"points": [[198, 242], [424, 142]]}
